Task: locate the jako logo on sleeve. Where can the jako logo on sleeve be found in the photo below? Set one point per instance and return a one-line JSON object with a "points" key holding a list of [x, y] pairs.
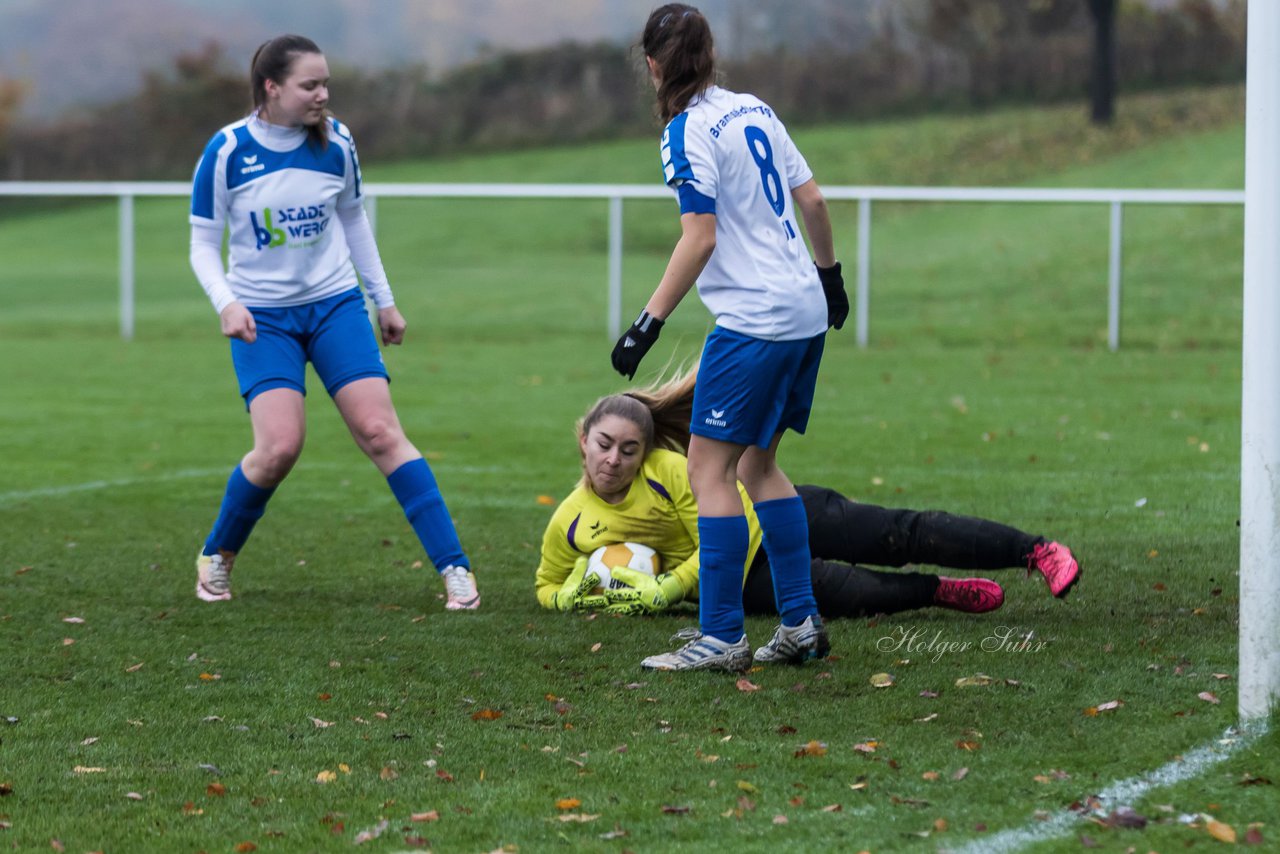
{"points": [[301, 222]]}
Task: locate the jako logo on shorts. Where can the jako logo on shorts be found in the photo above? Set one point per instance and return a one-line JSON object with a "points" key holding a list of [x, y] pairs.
{"points": [[300, 222]]}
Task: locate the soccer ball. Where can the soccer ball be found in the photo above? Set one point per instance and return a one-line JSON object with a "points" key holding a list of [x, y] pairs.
{"points": [[631, 555]]}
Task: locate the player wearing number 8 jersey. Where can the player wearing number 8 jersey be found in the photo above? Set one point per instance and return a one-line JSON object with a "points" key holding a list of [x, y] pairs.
{"points": [[744, 191]]}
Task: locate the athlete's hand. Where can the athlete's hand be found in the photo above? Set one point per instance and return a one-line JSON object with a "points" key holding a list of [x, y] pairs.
{"points": [[237, 322], [833, 290], [575, 593], [644, 594], [392, 325], [634, 343]]}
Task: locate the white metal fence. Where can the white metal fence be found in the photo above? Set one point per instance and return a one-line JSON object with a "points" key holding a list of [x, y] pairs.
{"points": [[614, 194]]}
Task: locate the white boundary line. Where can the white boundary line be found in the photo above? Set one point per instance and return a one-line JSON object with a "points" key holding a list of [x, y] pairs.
{"points": [[1121, 793], [9, 498]]}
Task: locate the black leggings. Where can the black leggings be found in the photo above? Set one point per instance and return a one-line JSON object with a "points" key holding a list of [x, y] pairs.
{"points": [[844, 532]]}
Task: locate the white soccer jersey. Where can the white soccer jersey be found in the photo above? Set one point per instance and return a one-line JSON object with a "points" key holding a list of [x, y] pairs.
{"points": [[279, 196], [728, 154]]}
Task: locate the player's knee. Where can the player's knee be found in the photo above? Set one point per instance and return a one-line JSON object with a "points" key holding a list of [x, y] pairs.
{"points": [[275, 458], [379, 437]]}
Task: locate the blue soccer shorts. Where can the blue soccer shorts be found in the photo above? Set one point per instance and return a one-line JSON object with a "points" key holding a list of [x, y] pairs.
{"points": [[333, 333], [749, 389]]}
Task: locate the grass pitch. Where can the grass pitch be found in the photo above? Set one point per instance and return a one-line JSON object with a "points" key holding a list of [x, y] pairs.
{"points": [[335, 702]]}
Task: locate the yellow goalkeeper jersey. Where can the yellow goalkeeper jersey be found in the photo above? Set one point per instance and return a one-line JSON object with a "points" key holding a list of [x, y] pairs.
{"points": [[659, 512]]}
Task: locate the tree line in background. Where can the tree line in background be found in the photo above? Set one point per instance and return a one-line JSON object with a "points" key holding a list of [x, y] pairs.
{"points": [[954, 55]]}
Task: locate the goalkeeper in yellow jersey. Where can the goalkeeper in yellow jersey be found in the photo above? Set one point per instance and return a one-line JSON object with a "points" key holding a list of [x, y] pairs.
{"points": [[635, 488]]}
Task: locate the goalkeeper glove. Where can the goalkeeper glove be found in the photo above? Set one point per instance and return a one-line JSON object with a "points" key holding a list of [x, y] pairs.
{"points": [[833, 290], [575, 593], [644, 594], [634, 343]]}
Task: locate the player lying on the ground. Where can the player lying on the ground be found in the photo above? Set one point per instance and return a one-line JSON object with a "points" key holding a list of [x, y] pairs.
{"points": [[635, 488]]}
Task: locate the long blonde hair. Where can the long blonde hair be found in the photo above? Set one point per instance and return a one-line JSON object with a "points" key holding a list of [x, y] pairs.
{"points": [[661, 411]]}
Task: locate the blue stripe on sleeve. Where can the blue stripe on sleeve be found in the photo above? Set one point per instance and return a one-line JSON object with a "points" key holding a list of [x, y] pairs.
{"points": [[202, 184], [342, 131], [675, 163], [691, 201]]}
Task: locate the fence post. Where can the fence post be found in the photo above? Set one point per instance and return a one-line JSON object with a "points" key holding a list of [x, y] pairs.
{"points": [[615, 267], [126, 266], [863, 295], [1113, 284]]}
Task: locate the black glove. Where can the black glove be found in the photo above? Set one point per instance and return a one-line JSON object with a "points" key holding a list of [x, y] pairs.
{"points": [[634, 343], [833, 290]]}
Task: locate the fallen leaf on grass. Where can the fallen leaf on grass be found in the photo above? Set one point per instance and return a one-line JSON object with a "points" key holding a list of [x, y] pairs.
{"points": [[674, 810], [746, 685], [1125, 817], [84, 769], [832, 808], [372, 833], [486, 715], [1109, 706], [88, 741], [960, 774], [1253, 836], [1220, 831], [1209, 697], [135, 668], [216, 790], [866, 746], [813, 748], [926, 718], [429, 815], [595, 647], [568, 804], [747, 787], [882, 680], [968, 745], [210, 677], [387, 774], [581, 818], [616, 833], [326, 776], [940, 825], [1246, 779], [319, 724], [977, 680], [73, 619], [929, 775], [546, 500], [779, 819], [133, 796], [245, 848]]}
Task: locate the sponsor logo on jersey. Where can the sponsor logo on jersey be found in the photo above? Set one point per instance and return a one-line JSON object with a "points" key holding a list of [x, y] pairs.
{"points": [[736, 113], [299, 223], [251, 164], [717, 418]]}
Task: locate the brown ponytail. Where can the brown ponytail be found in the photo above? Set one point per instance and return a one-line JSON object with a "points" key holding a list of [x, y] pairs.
{"points": [[678, 39]]}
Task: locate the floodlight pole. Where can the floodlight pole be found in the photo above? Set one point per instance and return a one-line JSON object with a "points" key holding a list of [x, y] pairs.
{"points": [[1260, 397]]}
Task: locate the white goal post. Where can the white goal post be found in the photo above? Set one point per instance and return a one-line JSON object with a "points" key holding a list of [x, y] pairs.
{"points": [[1260, 386]]}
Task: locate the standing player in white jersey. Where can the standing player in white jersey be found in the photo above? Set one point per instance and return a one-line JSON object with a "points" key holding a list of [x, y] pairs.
{"points": [[285, 184], [740, 181]]}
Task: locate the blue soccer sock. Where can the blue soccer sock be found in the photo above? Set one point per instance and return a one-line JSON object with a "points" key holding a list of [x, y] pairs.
{"points": [[786, 543], [722, 557], [242, 506], [415, 488]]}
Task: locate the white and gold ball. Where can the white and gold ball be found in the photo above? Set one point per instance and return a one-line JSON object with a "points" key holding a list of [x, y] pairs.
{"points": [[631, 555]]}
